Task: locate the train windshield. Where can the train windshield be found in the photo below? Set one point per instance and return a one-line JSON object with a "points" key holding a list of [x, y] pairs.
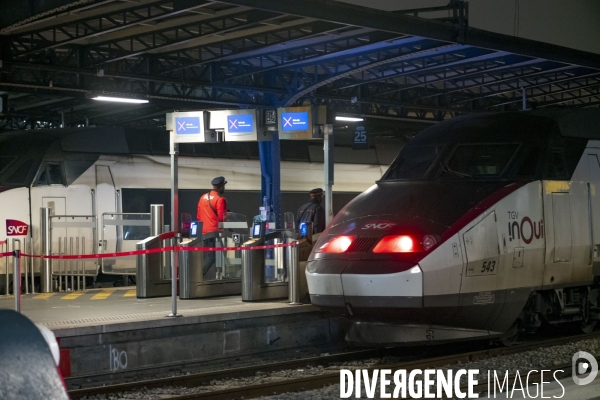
{"points": [[480, 160], [465, 161], [413, 163]]}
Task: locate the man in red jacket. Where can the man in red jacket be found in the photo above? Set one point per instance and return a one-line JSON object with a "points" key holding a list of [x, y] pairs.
{"points": [[211, 210], [212, 206]]}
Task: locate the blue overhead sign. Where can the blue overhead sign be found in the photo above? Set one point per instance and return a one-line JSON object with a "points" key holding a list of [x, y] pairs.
{"points": [[187, 125], [240, 124], [295, 121]]}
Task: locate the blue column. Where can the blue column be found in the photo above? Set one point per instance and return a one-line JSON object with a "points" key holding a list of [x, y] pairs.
{"points": [[264, 152], [269, 153]]}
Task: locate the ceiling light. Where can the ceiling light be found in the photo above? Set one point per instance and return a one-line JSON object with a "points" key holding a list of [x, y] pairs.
{"points": [[353, 119], [120, 99]]}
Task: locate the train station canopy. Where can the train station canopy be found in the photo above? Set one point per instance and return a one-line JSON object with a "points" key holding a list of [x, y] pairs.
{"points": [[196, 54]]}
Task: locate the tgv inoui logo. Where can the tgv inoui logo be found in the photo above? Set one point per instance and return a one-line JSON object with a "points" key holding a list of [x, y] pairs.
{"points": [[16, 228]]}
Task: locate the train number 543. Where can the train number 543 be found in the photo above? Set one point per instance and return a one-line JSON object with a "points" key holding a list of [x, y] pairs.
{"points": [[488, 266]]}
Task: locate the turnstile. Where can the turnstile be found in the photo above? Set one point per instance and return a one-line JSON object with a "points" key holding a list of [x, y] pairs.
{"points": [[154, 270], [265, 278], [213, 273], [205, 274]]}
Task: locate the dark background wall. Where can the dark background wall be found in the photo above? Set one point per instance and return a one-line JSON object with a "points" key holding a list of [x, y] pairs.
{"points": [[242, 202]]}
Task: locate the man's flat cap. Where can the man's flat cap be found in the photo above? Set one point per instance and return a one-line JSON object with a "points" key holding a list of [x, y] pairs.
{"points": [[218, 181], [316, 192]]}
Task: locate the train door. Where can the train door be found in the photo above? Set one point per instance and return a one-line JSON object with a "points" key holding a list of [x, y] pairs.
{"points": [[478, 297], [559, 235], [106, 202]]}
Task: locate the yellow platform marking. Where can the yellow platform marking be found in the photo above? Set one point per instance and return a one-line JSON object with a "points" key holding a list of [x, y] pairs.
{"points": [[103, 295], [130, 293], [72, 296], [44, 296]]}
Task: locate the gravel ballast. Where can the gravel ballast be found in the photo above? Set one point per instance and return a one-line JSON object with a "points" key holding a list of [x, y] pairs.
{"points": [[536, 359]]}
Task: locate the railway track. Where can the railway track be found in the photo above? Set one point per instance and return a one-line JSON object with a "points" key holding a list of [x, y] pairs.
{"points": [[317, 381]]}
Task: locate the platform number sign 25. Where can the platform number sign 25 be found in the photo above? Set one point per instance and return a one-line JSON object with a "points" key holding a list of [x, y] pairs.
{"points": [[361, 141]]}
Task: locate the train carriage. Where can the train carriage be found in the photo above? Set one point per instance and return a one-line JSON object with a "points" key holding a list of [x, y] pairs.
{"points": [[484, 226]]}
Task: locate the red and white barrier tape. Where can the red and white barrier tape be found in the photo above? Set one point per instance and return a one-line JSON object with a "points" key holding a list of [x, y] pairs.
{"points": [[149, 251]]}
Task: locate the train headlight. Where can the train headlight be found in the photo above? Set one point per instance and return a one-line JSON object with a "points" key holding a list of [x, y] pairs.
{"points": [[428, 242], [337, 245]]}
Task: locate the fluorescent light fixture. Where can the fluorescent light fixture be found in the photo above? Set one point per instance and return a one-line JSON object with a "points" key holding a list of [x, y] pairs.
{"points": [[353, 119], [120, 99]]}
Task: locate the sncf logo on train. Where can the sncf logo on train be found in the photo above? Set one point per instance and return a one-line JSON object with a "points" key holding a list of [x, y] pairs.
{"points": [[16, 228], [524, 228], [379, 225]]}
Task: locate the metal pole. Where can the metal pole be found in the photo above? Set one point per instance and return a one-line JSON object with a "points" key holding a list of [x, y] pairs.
{"points": [[174, 224], [26, 264], [294, 281], [17, 280], [524, 98], [328, 165], [157, 219], [174, 266], [46, 268], [7, 280]]}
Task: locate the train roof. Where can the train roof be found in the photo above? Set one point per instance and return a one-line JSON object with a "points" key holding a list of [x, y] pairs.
{"points": [[580, 123], [529, 125]]}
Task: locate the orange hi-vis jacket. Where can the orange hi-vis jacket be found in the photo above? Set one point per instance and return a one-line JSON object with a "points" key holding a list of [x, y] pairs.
{"points": [[211, 210]]}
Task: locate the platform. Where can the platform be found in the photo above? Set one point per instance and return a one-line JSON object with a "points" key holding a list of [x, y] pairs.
{"points": [[111, 330]]}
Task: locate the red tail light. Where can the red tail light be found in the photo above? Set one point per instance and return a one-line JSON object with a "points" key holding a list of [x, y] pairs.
{"points": [[396, 244], [337, 245], [406, 244]]}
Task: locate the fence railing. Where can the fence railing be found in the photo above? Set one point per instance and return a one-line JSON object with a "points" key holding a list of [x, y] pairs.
{"points": [[73, 235], [24, 244]]}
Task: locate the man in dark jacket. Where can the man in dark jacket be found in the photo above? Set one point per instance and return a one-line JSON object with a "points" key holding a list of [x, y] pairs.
{"points": [[313, 211]]}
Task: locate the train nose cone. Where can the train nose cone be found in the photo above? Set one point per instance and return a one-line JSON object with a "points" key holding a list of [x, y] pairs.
{"points": [[350, 293]]}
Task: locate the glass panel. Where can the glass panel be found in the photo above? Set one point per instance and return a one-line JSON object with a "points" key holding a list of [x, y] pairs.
{"points": [[412, 163], [54, 174], [42, 181], [480, 159], [119, 233]]}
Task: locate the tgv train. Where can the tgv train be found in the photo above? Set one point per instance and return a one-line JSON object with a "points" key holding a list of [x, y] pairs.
{"points": [[484, 226], [99, 171]]}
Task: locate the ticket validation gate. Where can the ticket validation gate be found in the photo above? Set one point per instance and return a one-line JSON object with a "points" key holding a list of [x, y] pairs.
{"points": [[213, 273], [153, 274], [256, 283], [206, 273]]}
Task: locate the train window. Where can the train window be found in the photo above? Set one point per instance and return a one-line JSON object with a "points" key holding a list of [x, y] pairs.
{"points": [[486, 159], [529, 158], [50, 174], [555, 168], [412, 163]]}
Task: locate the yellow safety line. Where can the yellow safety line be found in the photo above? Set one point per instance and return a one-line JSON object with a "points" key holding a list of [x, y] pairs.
{"points": [[44, 296], [72, 296], [103, 295], [130, 293]]}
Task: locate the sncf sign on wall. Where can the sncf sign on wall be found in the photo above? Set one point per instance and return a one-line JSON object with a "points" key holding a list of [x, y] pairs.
{"points": [[16, 228]]}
